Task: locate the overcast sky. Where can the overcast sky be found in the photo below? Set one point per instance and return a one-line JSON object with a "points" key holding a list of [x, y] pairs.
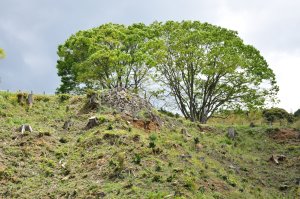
{"points": [[31, 30]]}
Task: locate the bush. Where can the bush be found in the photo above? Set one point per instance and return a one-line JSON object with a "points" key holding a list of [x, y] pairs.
{"points": [[168, 113], [64, 97], [274, 114], [137, 159], [43, 98]]}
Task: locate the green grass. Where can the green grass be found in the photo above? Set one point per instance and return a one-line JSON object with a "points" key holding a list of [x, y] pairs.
{"points": [[109, 161]]}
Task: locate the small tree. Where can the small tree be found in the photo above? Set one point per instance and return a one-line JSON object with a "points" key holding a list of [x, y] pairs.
{"points": [[275, 114]]}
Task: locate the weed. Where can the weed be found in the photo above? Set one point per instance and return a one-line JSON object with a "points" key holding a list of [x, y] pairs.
{"points": [[137, 159]]}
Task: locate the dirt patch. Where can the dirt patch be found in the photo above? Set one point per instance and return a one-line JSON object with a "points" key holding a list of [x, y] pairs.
{"points": [[216, 185], [285, 135], [205, 128], [146, 125]]}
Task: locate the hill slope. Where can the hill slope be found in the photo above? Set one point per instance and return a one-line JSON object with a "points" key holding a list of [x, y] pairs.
{"points": [[119, 158]]}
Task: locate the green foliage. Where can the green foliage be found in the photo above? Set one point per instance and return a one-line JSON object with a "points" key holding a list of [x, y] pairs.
{"points": [[104, 57], [297, 113], [204, 67], [137, 159], [273, 114], [2, 53], [168, 113], [43, 98], [110, 127], [207, 67], [64, 97]]}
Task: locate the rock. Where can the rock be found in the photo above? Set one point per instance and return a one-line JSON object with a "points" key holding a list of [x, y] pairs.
{"points": [[93, 121], [125, 102], [25, 127], [231, 133], [184, 132]]}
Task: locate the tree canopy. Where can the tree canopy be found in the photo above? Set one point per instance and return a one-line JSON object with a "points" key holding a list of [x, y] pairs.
{"points": [[204, 67], [111, 55], [274, 114]]}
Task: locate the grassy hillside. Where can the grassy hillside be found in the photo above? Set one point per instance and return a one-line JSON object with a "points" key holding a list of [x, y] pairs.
{"points": [[121, 159]]}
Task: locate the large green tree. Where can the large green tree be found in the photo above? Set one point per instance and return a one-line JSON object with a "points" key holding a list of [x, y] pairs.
{"points": [[108, 56], [207, 67], [204, 67]]}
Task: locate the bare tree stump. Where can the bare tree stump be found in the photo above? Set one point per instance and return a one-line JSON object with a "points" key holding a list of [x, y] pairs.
{"points": [[147, 124], [277, 158], [30, 100], [94, 101], [184, 132], [231, 133], [93, 121], [67, 125], [21, 98], [25, 127]]}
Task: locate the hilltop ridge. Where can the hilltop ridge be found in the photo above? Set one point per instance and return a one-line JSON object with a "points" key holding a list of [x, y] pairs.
{"points": [[137, 152]]}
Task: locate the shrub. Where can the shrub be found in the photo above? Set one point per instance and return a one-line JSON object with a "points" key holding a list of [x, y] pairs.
{"points": [[43, 98], [137, 159], [165, 112], [273, 114], [64, 97]]}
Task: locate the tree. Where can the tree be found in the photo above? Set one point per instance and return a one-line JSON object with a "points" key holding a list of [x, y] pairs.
{"points": [[206, 67], [297, 113], [2, 53], [111, 55], [273, 114]]}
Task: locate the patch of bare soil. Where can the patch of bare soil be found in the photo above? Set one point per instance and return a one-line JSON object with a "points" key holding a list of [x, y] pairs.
{"points": [[146, 125], [283, 135], [216, 185]]}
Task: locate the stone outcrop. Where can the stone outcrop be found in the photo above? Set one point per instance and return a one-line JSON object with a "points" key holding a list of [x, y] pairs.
{"points": [[126, 102]]}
